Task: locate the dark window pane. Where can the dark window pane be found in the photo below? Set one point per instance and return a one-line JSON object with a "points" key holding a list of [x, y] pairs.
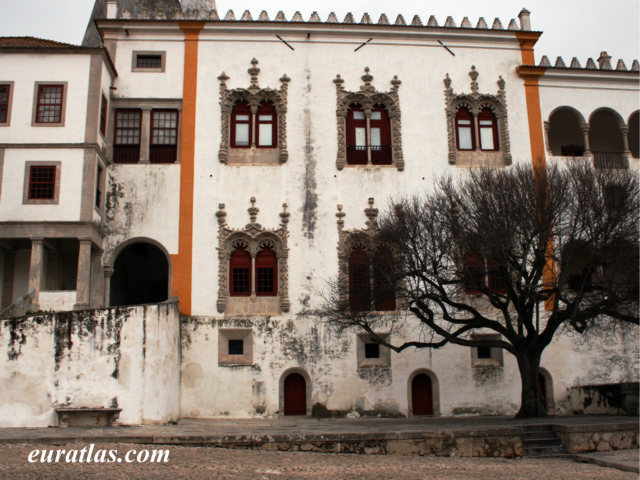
{"points": [[149, 61], [236, 347], [484, 352], [371, 350], [42, 182]]}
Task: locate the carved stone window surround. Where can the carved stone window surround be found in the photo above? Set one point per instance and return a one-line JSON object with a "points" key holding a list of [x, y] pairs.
{"points": [[253, 238], [253, 95], [475, 102], [367, 97]]}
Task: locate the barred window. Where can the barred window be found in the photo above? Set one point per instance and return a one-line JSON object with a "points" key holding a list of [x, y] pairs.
{"points": [[49, 107], [42, 182], [266, 267], [149, 61], [240, 278]]}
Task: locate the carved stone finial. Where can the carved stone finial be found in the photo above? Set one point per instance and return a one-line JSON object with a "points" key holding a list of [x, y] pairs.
{"points": [[254, 71], [416, 22], [340, 214], [223, 77], [253, 210], [482, 23], [284, 80], [447, 81], [575, 63], [466, 23], [525, 19], [544, 62], [383, 20], [591, 65], [474, 76], [372, 214], [501, 83], [339, 81], [560, 63], [221, 215], [367, 78], [332, 18], [604, 61], [621, 66], [284, 216], [635, 66], [400, 20], [396, 82]]}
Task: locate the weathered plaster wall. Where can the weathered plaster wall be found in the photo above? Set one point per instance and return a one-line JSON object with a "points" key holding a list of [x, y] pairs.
{"points": [[122, 357]]}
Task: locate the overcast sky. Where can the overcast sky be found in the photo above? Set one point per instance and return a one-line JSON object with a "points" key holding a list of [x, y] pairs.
{"points": [[581, 28]]}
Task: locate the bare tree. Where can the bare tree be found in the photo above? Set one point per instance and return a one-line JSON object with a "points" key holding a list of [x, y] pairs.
{"points": [[517, 252]]}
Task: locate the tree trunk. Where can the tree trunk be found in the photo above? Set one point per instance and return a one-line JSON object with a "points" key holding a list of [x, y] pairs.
{"points": [[532, 404]]}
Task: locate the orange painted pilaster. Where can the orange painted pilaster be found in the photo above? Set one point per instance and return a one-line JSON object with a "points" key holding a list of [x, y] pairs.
{"points": [[183, 260], [531, 75]]}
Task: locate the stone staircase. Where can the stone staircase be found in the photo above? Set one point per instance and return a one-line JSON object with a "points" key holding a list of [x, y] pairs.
{"points": [[541, 441]]}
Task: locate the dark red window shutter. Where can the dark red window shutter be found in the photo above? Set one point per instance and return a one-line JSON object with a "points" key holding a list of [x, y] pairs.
{"points": [[164, 136], [380, 122], [4, 102], [359, 281], [266, 110], [356, 151], [126, 136], [241, 115], [465, 130], [240, 273], [267, 273], [487, 122], [384, 295], [474, 272], [497, 282], [103, 115]]}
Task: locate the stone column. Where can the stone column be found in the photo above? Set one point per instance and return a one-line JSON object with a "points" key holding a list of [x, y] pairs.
{"points": [[83, 280], [368, 135], [108, 273], [36, 268], [547, 127], [96, 293], [624, 131], [145, 129], [584, 128], [7, 281]]}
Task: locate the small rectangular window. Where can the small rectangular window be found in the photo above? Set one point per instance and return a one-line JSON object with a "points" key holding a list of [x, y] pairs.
{"points": [[149, 61], [126, 140], [5, 90], [42, 182], [103, 116], [376, 115], [371, 350], [358, 115], [49, 107], [484, 352], [164, 136], [236, 347]]}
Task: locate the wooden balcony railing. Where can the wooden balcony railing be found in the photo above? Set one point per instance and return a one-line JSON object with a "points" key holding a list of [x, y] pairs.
{"points": [[126, 153], [610, 160]]}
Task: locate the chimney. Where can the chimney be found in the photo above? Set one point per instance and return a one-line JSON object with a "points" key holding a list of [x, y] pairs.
{"points": [[525, 19], [112, 9], [604, 61]]}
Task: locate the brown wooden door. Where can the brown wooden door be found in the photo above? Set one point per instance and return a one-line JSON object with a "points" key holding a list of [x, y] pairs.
{"points": [[421, 396], [295, 395]]}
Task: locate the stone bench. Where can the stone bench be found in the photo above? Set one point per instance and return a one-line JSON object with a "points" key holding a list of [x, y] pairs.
{"points": [[87, 416]]}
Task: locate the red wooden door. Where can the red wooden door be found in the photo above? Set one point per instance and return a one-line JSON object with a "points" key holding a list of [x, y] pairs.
{"points": [[295, 395], [421, 397]]}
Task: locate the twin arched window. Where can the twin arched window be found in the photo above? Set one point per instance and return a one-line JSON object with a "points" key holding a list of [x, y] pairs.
{"points": [[259, 129], [249, 275], [368, 136], [361, 273], [484, 129]]}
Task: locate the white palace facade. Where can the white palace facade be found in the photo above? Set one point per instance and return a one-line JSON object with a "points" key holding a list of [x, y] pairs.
{"points": [[176, 192]]}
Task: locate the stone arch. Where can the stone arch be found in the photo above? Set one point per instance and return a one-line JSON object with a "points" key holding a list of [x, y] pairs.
{"points": [[565, 131], [605, 134], [546, 380], [435, 390], [140, 272], [281, 388], [634, 132]]}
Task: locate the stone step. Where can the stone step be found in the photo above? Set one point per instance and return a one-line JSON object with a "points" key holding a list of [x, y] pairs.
{"points": [[541, 435], [541, 442], [543, 451]]}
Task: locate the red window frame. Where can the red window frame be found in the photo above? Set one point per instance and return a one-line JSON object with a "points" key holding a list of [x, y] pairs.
{"points": [[359, 281], [42, 182], [381, 155], [267, 108], [99, 174], [464, 114], [487, 114], [474, 272], [384, 295], [49, 105], [163, 142], [266, 273], [125, 149], [239, 268], [5, 94], [356, 155], [103, 115], [495, 280], [241, 108]]}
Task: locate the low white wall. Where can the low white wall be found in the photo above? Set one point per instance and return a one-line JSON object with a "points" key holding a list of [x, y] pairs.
{"points": [[57, 301], [121, 357]]}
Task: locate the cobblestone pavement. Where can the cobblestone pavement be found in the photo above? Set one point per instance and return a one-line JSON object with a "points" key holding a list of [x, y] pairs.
{"points": [[214, 463]]}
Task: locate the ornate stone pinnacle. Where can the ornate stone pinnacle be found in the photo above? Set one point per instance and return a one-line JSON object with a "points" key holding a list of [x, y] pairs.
{"points": [[284, 79], [340, 214], [254, 71], [395, 82], [223, 77], [474, 76], [338, 81], [253, 210], [367, 78], [284, 216], [501, 83], [447, 81], [371, 213], [221, 215]]}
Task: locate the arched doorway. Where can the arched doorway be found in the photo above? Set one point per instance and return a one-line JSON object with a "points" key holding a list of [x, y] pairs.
{"points": [[140, 275], [565, 133], [605, 139], [421, 395], [295, 395], [545, 385]]}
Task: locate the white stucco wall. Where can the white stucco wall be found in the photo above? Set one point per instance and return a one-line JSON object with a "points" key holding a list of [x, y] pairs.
{"points": [[127, 357]]}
